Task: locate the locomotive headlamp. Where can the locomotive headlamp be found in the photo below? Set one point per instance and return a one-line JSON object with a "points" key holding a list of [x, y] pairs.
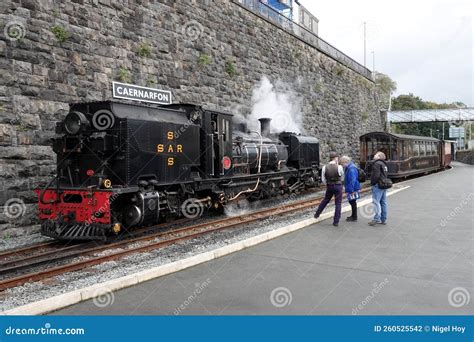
{"points": [[107, 183], [116, 228], [75, 122]]}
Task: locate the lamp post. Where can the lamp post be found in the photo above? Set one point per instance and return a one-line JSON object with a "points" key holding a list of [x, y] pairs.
{"points": [[373, 61], [365, 43]]}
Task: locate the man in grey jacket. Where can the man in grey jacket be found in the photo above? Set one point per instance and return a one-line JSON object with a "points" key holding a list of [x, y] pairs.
{"points": [[332, 175], [379, 196]]}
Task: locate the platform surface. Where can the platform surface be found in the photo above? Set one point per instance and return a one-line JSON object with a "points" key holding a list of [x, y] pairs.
{"points": [[420, 263]]}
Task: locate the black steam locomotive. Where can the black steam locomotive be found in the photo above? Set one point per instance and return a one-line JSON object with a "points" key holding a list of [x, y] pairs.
{"points": [[121, 166]]}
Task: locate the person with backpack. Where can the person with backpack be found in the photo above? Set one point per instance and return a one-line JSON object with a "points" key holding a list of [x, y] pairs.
{"points": [[351, 185], [332, 175], [380, 183]]}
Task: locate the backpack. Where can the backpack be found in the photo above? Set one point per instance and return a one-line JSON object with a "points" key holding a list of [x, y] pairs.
{"points": [[362, 177], [384, 182]]}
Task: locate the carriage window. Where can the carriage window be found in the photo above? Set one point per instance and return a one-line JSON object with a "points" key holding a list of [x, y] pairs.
{"points": [[422, 148], [384, 147], [394, 155], [428, 149], [406, 149], [435, 148], [401, 149], [363, 151]]}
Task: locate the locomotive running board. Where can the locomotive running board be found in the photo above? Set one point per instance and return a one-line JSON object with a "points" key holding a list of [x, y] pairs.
{"points": [[70, 298]]}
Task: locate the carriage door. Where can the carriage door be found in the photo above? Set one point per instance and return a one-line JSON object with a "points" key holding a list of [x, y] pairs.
{"points": [[222, 124]]}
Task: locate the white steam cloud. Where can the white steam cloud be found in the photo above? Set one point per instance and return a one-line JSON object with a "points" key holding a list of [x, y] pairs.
{"points": [[278, 102]]}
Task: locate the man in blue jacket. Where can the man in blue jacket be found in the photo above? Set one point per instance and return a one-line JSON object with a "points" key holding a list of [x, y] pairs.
{"points": [[351, 185]]}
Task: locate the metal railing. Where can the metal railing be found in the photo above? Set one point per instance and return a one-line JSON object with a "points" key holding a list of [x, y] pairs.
{"points": [[265, 11], [456, 115]]}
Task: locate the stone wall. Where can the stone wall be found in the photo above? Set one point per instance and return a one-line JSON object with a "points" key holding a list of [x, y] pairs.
{"points": [[465, 156], [204, 51]]}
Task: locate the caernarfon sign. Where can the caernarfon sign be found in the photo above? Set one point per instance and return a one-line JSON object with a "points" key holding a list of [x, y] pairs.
{"points": [[142, 94]]}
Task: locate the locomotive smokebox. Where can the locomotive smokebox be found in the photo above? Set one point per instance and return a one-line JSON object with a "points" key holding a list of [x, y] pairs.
{"points": [[265, 126]]}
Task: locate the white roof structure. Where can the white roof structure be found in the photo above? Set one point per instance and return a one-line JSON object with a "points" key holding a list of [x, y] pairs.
{"points": [[428, 115]]}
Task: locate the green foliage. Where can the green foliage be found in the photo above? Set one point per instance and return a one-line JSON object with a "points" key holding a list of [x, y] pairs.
{"points": [[318, 87], [385, 87], [412, 102], [425, 129], [365, 116], [60, 33], [230, 69], [150, 81], [22, 127], [339, 70], [123, 75], [204, 60], [144, 50], [385, 83]]}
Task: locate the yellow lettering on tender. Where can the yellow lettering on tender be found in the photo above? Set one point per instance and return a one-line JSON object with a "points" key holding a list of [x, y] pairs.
{"points": [[179, 148], [170, 135], [170, 149], [160, 148], [170, 161]]}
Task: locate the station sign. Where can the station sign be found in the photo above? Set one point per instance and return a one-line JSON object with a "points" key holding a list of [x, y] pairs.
{"points": [[456, 132], [142, 94]]}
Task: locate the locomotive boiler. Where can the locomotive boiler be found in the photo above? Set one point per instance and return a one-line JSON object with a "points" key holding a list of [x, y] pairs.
{"points": [[121, 166]]}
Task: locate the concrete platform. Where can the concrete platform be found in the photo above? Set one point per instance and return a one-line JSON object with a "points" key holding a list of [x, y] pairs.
{"points": [[420, 263]]}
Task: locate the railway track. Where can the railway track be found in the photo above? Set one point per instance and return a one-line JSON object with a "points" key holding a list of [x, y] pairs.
{"points": [[44, 265]]}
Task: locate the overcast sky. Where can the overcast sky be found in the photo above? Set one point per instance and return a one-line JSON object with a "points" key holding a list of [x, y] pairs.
{"points": [[425, 46]]}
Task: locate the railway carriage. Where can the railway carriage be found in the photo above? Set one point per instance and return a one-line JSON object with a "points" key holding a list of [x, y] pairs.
{"points": [[406, 154]]}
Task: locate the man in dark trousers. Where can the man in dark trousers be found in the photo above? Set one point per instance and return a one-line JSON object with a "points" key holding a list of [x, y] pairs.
{"points": [[379, 196], [332, 175]]}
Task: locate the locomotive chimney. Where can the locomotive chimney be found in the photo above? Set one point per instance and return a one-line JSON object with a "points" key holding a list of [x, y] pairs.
{"points": [[265, 126]]}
